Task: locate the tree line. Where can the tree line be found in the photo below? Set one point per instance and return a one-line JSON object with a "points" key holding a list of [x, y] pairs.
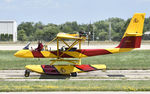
{"points": [[6, 37], [30, 31]]}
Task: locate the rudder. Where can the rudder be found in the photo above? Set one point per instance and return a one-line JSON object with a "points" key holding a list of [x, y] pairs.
{"points": [[133, 35]]}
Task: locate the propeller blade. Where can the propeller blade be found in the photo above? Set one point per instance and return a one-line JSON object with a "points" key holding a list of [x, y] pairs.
{"points": [[88, 38]]}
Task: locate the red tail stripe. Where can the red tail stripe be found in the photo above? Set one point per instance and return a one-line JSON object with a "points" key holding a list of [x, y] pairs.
{"points": [[130, 42]]}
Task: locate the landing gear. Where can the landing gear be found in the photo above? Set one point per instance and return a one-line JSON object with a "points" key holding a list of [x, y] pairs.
{"points": [[74, 74], [27, 73]]}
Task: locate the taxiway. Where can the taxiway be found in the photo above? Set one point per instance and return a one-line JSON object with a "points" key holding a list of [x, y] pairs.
{"points": [[18, 75]]}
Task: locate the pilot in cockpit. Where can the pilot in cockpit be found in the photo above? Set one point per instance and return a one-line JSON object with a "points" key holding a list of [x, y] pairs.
{"points": [[40, 46]]}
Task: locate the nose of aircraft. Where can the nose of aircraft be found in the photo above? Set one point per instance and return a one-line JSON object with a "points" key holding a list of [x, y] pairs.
{"points": [[23, 53], [35, 68], [19, 53]]}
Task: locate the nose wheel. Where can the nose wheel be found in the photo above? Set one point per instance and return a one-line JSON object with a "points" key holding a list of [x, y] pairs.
{"points": [[27, 73]]}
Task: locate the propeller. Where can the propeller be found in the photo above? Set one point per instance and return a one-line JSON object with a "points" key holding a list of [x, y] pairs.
{"points": [[82, 33], [88, 35], [85, 34]]}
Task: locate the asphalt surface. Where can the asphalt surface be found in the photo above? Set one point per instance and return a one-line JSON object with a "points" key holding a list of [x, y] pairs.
{"points": [[18, 75]]}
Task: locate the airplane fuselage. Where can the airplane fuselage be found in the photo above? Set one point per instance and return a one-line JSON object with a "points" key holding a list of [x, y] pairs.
{"points": [[69, 54]]}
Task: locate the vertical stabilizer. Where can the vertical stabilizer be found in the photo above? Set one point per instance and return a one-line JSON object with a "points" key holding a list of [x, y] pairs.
{"points": [[133, 35]]}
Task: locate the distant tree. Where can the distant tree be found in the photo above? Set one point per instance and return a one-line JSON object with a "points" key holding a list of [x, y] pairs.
{"points": [[117, 25], [115, 36], [39, 34], [27, 27], [10, 37], [2, 37], [147, 24], [38, 25], [22, 35], [35, 31], [103, 35], [74, 26], [66, 29], [101, 30], [6, 37], [146, 28], [49, 33]]}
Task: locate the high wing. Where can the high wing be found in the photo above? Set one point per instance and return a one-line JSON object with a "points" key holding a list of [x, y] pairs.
{"points": [[69, 36]]}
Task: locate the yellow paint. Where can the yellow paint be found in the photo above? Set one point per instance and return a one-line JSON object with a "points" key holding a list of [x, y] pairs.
{"points": [[119, 50], [66, 69], [57, 48], [99, 66], [75, 54], [24, 54], [63, 69], [135, 27], [69, 36], [76, 42], [133, 34], [48, 54], [35, 68], [75, 62]]}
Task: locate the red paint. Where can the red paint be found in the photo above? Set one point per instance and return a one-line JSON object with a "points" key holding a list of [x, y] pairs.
{"points": [[40, 47], [48, 69], [87, 52], [85, 67], [37, 54], [94, 52], [130, 42]]}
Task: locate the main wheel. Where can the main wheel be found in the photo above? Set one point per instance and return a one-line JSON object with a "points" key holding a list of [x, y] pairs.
{"points": [[74, 74], [27, 73]]}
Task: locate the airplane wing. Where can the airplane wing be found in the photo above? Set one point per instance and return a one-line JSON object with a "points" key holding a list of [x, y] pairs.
{"points": [[68, 36]]}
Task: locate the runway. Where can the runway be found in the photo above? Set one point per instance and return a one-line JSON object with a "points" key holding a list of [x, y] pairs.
{"points": [[18, 75]]}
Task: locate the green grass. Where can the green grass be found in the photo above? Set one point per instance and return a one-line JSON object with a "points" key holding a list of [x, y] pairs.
{"points": [[67, 85], [129, 60], [9, 61]]}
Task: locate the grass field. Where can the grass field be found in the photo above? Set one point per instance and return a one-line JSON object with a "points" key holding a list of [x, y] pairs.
{"points": [[129, 60], [76, 86]]}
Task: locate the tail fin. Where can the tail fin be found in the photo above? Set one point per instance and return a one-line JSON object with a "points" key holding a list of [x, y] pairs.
{"points": [[133, 35]]}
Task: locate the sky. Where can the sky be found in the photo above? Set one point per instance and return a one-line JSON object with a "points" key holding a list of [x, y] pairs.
{"points": [[61, 11]]}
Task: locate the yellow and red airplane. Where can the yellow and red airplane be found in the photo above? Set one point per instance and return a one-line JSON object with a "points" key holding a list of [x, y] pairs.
{"points": [[130, 40]]}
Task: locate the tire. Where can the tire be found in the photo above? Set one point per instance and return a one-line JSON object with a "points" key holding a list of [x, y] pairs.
{"points": [[74, 74], [27, 73]]}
